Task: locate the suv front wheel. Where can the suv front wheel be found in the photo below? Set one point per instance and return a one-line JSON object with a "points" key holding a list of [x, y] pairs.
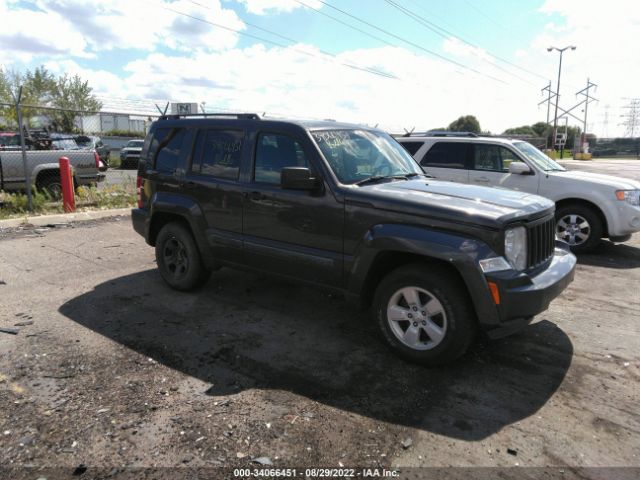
{"points": [[424, 314], [179, 259]]}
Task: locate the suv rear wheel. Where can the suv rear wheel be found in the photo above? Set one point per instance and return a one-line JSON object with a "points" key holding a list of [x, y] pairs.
{"points": [[179, 259], [424, 314], [579, 226]]}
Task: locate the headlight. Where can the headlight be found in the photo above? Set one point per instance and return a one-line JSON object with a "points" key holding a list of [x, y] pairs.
{"points": [[632, 197], [515, 247]]}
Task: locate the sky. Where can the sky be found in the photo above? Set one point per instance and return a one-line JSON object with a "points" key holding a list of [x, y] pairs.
{"points": [[398, 64]]}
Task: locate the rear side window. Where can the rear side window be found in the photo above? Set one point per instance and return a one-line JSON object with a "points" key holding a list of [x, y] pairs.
{"points": [[412, 147], [170, 150], [217, 153], [446, 155], [151, 145]]}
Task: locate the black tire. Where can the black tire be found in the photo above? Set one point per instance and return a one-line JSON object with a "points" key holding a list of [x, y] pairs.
{"points": [[178, 258], [52, 185], [594, 232], [449, 291]]}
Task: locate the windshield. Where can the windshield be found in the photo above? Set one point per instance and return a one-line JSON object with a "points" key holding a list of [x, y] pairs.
{"points": [[356, 155], [538, 158], [135, 143]]}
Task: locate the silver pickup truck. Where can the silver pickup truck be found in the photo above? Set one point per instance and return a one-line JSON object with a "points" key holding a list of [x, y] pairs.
{"points": [[45, 171]]}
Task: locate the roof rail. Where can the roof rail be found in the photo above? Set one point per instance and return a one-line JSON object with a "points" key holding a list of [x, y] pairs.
{"points": [[439, 133], [239, 116]]}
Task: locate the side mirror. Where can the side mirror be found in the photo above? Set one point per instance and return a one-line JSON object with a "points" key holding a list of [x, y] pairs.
{"points": [[297, 178], [519, 168]]}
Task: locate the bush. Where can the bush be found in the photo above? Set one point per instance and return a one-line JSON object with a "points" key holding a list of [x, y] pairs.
{"points": [[110, 196], [123, 133], [12, 204]]}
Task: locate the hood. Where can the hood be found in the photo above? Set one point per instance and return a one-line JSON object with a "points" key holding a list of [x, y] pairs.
{"points": [[455, 201], [616, 183], [132, 149]]}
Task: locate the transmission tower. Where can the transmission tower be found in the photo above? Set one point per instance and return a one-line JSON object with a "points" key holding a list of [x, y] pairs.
{"points": [[631, 117]]}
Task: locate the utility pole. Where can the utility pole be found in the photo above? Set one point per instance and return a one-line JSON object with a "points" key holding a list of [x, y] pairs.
{"points": [[27, 173], [587, 100], [551, 94], [555, 117], [631, 117]]}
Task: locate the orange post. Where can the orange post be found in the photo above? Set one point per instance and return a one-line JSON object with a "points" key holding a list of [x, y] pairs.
{"points": [[66, 181]]}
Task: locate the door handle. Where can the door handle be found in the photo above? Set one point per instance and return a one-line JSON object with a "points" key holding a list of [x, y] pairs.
{"points": [[257, 196], [190, 185], [482, 179]]}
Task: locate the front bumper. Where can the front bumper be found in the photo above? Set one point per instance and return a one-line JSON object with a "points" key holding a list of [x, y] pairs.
{"points": [[624, 221], [525, 295]]}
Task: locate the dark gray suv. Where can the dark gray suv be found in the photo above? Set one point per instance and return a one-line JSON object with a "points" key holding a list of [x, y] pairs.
{"points": [[345, 207]]}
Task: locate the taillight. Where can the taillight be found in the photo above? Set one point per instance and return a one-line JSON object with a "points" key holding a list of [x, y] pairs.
{"points": [[139, 183], [96, 157]]}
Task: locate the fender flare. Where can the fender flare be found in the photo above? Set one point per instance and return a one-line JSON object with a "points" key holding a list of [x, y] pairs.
{"points": [[187, 209], [461, 252]]}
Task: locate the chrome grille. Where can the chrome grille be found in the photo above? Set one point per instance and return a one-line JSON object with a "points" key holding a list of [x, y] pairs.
{"points": [[541, 242]]}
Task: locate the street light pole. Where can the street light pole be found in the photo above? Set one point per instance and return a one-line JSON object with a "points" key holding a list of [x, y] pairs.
{"points": [[555, 117]]}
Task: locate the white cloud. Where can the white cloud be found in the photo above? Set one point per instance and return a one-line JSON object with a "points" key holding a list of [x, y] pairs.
{"points": [[196, 62], [284, 81], [76, 28], [24, 32], [263, 7]]}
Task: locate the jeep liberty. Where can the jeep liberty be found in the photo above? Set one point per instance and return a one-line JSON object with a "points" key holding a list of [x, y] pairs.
{"points": [[345, 207]]}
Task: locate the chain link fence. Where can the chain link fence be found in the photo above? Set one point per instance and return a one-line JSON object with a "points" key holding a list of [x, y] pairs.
{"points": [[34, 137]]}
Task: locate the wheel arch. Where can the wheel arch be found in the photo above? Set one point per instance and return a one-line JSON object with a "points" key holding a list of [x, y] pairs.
{"points": [[160, 219], [387, 261], [586, 203], [386, 247]]}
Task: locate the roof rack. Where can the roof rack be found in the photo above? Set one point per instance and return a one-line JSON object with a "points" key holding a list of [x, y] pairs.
{"points": [[239, 116], [440, 133]]}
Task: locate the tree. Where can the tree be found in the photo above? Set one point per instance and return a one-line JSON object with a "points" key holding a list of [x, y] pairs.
{"points": [[73, 95], [467, 123], [40, 88], [523, 130], [541, 128], [37, 89]]}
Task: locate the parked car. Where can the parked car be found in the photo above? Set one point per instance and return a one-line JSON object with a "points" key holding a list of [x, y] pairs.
{"points": [[346, 208], [45, 171], [589, 206], [130, 154], [9, 141], [60, 141], [90, 142]]}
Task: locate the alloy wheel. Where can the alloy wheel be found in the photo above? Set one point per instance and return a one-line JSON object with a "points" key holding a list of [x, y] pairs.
{"points": [[417, 318], [573, 229], [175, 257]]}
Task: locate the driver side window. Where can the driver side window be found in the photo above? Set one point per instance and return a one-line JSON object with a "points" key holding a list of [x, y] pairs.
{"points": [[493, 158], [275, 152]]}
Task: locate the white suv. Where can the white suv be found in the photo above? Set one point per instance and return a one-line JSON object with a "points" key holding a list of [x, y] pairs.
{"points": [[589, 206]]}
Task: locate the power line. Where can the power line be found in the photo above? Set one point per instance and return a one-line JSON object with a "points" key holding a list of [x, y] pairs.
{"points": [[484, 14], [404, 40], [447, 34], [272, 42], [444, 33]]}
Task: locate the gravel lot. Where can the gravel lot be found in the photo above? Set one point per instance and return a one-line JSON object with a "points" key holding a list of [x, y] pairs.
{"points": [[110, 369]]}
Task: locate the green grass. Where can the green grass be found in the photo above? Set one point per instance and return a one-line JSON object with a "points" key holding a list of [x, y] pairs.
{"points": [[14, 205]]}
